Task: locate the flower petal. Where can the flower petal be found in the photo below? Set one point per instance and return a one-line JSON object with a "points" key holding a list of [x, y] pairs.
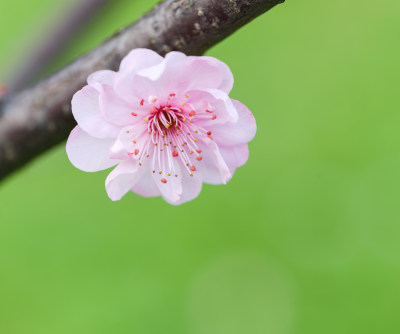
{"points": [[213, 166], [88, 153], [225, 82], [130, 138], [100, 78], [123, 178], [116, 110], [146, 186], [235, 133], [191, 187], [235, 156], [212, 107], [138, 59], [171, 190], [86, 111]]}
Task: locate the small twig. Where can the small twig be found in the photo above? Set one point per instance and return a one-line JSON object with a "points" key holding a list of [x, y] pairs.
{"points": [[56, 41], [40, 117]]}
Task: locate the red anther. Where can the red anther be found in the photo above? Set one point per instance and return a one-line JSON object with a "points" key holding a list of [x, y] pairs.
{"points": [[210, 137], [214, 117], [134, 141], [199, 158], [153, 110], [154, 100], [198, 151], [172, 95], [136, 151], [175, 154], [142, 102], [192, 113], [208, 111], [130, 154], [163, 180], [208, 133], [133, 114], [193, 168]]}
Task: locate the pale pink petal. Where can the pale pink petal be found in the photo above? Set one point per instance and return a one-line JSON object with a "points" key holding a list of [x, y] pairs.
{"points": [[116, 110], [235, 156], [138, 59], [146, 186], [212, 107], [88, 153], [100, 78], [225, 83], [235, 133], [134, 88], [123, 178], [171, 190], [192, 187], [199, 73], [136, 85], [213, 167], [130, 142], [86, 111]]}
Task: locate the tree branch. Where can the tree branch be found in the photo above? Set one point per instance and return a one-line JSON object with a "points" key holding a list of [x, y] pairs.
{"points": [[38, 118]]}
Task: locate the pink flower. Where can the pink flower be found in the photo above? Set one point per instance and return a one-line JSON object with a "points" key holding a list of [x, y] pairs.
{"points": [[167, 123]]}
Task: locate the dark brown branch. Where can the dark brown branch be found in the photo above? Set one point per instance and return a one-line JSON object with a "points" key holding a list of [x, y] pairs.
{"points": [[40, 117]]}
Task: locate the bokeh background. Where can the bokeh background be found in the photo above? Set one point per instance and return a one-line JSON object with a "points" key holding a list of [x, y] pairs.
{"points": [[303, 240]]}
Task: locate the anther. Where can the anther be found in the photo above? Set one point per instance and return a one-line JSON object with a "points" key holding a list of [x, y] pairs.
{"points": [[133, 114], [214, 117], [142, 102], [192, 113], [136, 151], [198, 151], [208, 133], [193, 168], [187, 96], [199, 158], [146, 119], [163, 180]]}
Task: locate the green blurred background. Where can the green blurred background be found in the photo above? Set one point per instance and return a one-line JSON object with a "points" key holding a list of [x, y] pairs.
{"points": [[303, 240]]}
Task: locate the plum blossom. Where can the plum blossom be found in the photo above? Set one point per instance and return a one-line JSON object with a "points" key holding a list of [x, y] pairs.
{"points": [[167, 123]]}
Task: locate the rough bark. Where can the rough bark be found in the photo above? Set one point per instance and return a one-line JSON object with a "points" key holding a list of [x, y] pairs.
{"points": [[39, 117]]}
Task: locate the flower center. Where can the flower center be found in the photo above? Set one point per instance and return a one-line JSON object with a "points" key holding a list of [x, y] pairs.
{"points": [[172, 137]]}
